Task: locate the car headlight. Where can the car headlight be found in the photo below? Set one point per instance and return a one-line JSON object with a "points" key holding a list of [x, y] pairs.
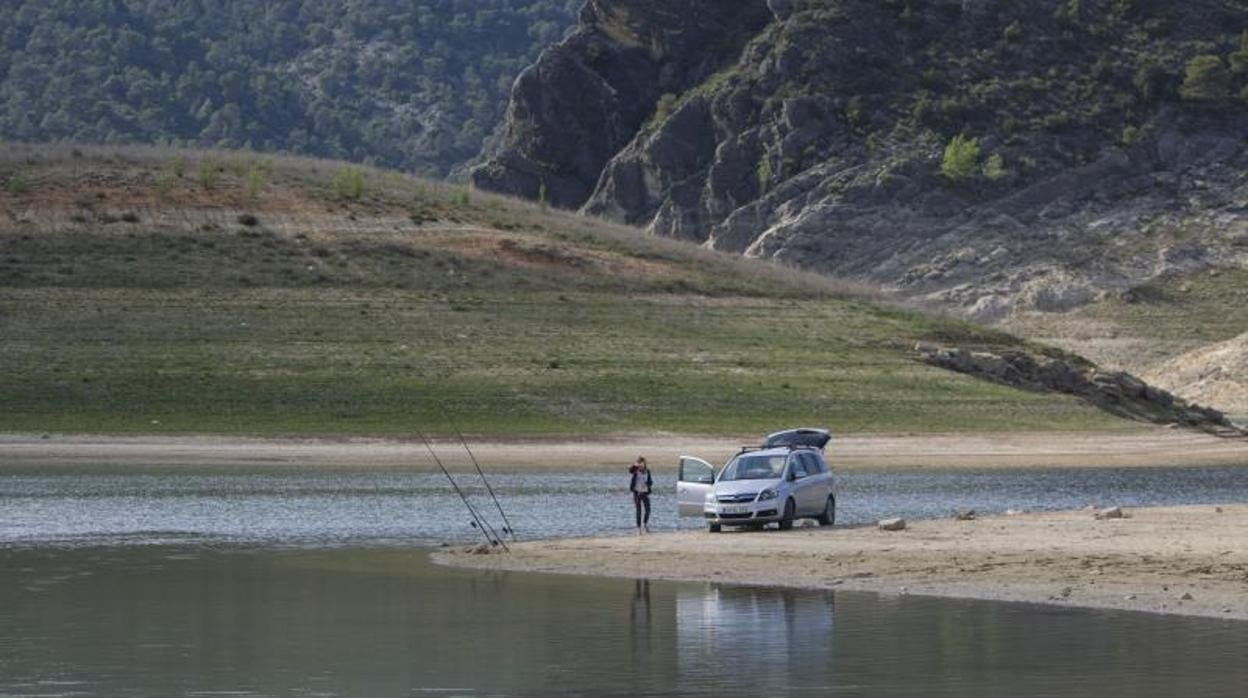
{"points": [[710, 496], [766, 494]]}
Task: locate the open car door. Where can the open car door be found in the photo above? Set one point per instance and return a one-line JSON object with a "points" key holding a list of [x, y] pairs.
{"points": [[693, 480]]}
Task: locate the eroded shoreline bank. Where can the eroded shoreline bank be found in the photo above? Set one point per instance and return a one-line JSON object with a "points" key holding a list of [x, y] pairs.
{"points": [[1174, 560]]}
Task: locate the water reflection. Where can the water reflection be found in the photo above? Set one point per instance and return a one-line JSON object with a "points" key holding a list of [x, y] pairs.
{"points": [[767, 635], [189, 620]]}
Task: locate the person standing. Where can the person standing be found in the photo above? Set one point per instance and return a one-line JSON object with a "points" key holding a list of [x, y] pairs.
{"points": [[640, 484]]}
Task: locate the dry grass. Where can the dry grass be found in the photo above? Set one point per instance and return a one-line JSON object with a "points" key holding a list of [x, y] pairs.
{"points": [[136, 295]]}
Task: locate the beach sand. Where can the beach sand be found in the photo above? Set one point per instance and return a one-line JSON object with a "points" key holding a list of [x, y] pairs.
{"points": [[1177, 560], [1133, 446]]}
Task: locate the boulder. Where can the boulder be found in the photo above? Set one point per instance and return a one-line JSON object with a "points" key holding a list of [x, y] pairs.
{"points": [[894, 524], [1110, 513]]}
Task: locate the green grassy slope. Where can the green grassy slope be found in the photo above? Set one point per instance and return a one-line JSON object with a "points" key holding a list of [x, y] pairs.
{"points": [[145, 291]]}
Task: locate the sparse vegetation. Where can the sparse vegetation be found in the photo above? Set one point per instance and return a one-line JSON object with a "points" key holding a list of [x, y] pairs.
{"points": [[209, 174], [256, 177], [1205, 78], [994, 168], [308, 329], [1130, 136], [349, 183], [17, 184], [664, 107]]}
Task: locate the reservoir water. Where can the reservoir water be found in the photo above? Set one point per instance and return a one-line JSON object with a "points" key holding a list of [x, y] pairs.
{"points": [[289, 506], [272, 581]]}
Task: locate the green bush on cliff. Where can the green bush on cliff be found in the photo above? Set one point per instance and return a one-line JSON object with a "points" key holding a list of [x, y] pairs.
{"points": [[961, 158], [994, 168], [1205, 79]]}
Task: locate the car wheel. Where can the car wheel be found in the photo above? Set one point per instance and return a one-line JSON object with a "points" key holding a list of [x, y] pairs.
{"points": [[828, 517], [715, 528], [786, 521]]}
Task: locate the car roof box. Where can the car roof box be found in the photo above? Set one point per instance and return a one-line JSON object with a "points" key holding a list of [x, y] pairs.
{"points": [[794, 438]]}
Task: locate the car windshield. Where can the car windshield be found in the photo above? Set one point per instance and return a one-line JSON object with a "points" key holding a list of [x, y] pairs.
{"points": [[755, 467]]}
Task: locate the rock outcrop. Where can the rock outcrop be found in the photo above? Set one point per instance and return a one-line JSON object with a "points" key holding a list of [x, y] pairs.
{"points": [[1116, 392], [1216, 374], [588, 96], [821, 144]]}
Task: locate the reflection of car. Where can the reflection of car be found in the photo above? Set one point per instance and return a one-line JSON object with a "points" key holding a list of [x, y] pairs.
{"points": [[784, 479]]}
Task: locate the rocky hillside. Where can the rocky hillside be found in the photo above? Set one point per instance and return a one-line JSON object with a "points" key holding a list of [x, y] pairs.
{"points": [[589, 95], [995, 157], [1109, 126]]}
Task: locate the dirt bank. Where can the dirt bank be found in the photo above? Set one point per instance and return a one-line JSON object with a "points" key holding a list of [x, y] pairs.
{"points": [[1144, 446], [1185, 560]]}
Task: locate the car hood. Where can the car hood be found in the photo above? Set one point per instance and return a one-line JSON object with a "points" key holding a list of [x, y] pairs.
{"points": [[744, 486]]}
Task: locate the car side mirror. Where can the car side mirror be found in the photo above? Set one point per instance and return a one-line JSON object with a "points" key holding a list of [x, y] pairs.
{"points": [[791, 477]]}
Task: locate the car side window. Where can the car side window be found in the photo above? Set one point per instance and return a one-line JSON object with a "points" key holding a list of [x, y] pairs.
{"points": [[799, 466], [815, 465]]}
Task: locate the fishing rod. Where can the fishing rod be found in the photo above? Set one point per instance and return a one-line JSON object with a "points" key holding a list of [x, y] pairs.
{"points": [[477, 521], [507, 527]]}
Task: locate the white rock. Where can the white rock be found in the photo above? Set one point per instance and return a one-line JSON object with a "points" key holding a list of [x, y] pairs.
{"points": [[1110, 513], [895, 524]]}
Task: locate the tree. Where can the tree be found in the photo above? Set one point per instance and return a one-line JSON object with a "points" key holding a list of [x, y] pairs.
{"points": [[961, 158]]}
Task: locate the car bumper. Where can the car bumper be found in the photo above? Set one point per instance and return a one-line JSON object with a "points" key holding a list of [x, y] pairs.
{"points": [[741, 515]]}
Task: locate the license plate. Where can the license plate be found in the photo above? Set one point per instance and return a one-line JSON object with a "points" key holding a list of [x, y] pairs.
{"points": [[738, 509]]}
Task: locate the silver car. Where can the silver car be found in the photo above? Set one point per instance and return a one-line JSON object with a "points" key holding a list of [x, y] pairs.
{"points": [[784, 479]]}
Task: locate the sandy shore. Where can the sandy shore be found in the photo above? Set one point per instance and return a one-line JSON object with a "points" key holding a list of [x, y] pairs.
{"points": [[1183, 560], [1143, 446]]}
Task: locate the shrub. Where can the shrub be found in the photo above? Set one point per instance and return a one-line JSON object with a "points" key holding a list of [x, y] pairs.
{"points": [[209, 173], [855, 112], [764, 171], [664, 107], [18, 184], [1069, 11], [164, 186], [1013, 32], [349, 183], [1239, 57], [1205, 79], [179, 166], [1129, 137], [961, 158], [256, 176], [994, 168]]}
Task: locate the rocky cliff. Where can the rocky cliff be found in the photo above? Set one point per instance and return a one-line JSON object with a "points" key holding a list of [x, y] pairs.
{"points": [[988, 154], [588, 96]]}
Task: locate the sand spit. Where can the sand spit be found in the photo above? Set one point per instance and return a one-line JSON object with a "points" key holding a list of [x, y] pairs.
{"points": [[1176, 560]]}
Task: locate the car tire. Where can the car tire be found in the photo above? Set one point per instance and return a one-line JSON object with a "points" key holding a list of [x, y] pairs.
{"points": [[828, 517], [715, 528], [790, 509]]}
